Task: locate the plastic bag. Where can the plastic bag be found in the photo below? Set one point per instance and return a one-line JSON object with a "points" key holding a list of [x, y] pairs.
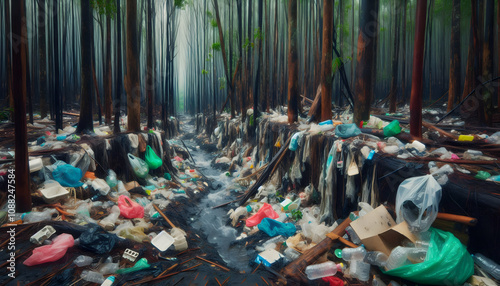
{"points": [[347, 130], [417, 202], [96, 240], [139, 265], [140, 167], [447, 262], [265, 211], [129, 208], [111, 179], [273, 227], [153, 161], [52, 252], [392, 129], [68, 176]]}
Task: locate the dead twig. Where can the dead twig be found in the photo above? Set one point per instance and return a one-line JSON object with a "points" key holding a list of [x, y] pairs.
{"points": [[213, 263]]}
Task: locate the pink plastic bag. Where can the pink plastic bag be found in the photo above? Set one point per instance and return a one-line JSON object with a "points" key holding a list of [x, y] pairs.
{"points": [[51, 252], [265, 211], [129, 208]]}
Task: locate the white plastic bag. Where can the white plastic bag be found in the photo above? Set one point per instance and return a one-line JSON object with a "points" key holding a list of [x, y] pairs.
{"points": [[417, 202]]}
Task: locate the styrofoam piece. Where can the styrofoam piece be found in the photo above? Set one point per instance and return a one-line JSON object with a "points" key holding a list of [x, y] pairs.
{"points": [[53, 193], [36, 165], [163, 241], [268, 257], [42, 235]]}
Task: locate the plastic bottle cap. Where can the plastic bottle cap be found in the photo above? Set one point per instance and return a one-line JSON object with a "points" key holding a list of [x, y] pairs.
{"points": [[338, 253]]}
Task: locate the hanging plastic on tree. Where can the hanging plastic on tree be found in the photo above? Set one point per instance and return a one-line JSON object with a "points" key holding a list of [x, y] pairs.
{"points": [[153, 161], [140, 167]]}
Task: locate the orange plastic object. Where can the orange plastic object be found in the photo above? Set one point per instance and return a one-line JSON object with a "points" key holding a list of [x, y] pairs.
{"points": [[90, 175], [265, 211]]}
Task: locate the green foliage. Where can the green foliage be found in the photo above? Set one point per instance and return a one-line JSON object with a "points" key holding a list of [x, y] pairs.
{"points": [[216, 47], [247, 45], [209, 14], [222, 83], [258, 35], [4, 114], [250, 120], [180, 4], [213, 23], [296, 214], [204, 72], [104, 7]]}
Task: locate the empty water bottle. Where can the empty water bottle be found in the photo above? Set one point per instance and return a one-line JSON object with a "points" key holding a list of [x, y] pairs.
{"points": [[350, 254], [352, 234], [376, 258], [39, 216], [92, 276], [417, 254], [291, 253], [360, 270], [398, 258], [321, 270], [487, 265], [83, 260]]}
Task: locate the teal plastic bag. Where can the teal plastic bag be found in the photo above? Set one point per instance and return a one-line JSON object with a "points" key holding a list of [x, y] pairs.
{"points": [[447, 262], [347, 130], [273, 227], [140, 167], [153, 161], [392, 129]]}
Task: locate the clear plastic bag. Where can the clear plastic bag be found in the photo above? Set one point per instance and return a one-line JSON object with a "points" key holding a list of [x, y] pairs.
{"points": [[140, 167], [417, 202]]}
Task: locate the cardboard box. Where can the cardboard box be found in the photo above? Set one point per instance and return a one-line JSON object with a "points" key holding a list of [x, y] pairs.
{"points": [[379, 232]]}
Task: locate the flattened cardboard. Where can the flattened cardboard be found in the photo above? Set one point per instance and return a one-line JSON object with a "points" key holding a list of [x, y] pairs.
{"points": [[379, 232]]}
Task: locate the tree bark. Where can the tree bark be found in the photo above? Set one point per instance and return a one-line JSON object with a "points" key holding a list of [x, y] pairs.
{"points": [[57, 86], [454, 85], [403, 54], [85, 123], [42, 72], [131, 81], [21, 174], [9, 64], [395, 63], [293, 71], [365, 59], [417, 74], [259, 63], [118, 73], [108, 109], [149, 69], [326, 61], [487, 65]]}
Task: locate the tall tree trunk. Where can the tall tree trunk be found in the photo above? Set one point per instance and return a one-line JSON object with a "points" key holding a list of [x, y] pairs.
{"points": [[365, 59], [29, 91], [454, 85], [149, 61], [498, 37], [248, 72], [9, 65], [57, 86], [22, 181], [293, 71], [131, 81], [118, 69], [417, 74], [259, 63], [487, 65], [85, 123], [326, 61], [275, 57], [403, 54], [469, 69], [395, 62], [108, 109], [42, 72]]}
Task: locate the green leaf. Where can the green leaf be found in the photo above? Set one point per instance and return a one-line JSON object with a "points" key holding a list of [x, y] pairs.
{"points": [[213, 23], [216, 46]]}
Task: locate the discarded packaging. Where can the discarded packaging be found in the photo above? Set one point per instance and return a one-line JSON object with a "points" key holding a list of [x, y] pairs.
{"points": [[40, 236]]}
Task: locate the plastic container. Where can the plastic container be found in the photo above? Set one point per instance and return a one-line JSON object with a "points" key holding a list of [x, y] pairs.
{"points": [[466, 138], [101, 186], [108, 223], [392, 129], [487, 265], [36, 165], [39, 216], [352, 234], [109, 281], [53, 192], [83, 260], [359, 269], [350, 254], [398, 258], [376, 258], [180, 242], [321, 270], [163, 241], [92, 276]]}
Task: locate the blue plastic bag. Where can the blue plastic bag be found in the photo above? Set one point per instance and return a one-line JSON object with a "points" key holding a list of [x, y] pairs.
{"points": [[68, 176], [347, 130], [273, 227]]}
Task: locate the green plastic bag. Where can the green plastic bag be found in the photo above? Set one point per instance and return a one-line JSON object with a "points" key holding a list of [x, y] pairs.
{"points": [[153, 161], [447, 262], [392, 129]]}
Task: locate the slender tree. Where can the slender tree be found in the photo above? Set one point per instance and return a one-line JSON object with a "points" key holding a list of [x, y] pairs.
{"points": [[487, 65], [131, 82], [454, 85], [108, 109], [293, 71], [326, 61], [395, 62], [149, 69], [259, 63], [42, 68], [57, 84], [118, 70]]}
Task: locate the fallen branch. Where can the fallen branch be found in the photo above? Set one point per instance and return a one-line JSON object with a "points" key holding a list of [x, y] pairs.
{"points": [[213, 263], [163, 215]]}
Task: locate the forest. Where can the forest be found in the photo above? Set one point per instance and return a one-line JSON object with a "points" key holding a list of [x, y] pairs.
{"points": [[267, 142]]}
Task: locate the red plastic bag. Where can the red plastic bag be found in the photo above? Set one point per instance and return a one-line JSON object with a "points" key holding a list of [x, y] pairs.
{"points": [[51, 252], [333, 281], [129, 208], [265, 211]]}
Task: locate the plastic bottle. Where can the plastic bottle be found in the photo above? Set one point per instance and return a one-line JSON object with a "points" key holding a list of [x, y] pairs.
{"points": [[398, 258], [360, 270], [350, 254], [352, 234], [109, 281], [291, 253], [294, 143], [108, 223], [376, 258], [39, 216], [321, 270], [83, 260], [487, 265], [92, 276]]}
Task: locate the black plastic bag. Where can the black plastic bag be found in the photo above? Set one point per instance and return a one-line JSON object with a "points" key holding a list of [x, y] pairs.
{"points": [[97, 240]]}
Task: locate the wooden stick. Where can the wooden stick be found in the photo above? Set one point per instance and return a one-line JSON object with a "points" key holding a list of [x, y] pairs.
{"points": [[217, 281], [264, 280], [213, 263], [224, 282], [15, 235], [470, 221], [164, 216]]}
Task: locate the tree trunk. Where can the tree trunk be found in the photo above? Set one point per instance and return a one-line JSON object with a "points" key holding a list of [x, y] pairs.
{"points": [[293, 71], [131, 81], [275, 57], [487, 64], [403, 54], [498, 37], [326, 61], [42, 72], [259, 63], [454, 86], [57, 86], [108, 109], [149, 69], [21, 189], [85, 123], [417, 74], [365, 59], [395, 63], [118, 69]]}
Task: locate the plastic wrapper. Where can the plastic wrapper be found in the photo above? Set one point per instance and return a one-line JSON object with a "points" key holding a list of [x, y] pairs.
{"points": [[273, 227], [52, 252], [140, 167], [129, 208], [139, 265], [153, 161], [417, 202], [347, 130], [111, 179], [68, 176], [265, 211], [96, 240]]}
